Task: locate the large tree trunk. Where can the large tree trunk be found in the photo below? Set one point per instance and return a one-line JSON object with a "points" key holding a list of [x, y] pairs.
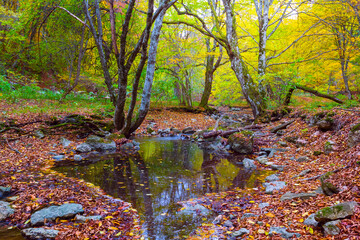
{"points": [[209, 76], [150, 71], [250, 91]]}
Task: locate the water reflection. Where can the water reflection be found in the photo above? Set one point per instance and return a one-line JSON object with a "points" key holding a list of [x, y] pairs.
{"points": [[164, 172]]}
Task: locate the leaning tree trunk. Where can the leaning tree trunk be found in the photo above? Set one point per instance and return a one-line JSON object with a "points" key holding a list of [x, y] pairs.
{"points": [[250, 91], [309, 90], [344, 68], [150, 71]]}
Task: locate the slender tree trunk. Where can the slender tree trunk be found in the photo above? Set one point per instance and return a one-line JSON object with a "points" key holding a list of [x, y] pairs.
{"points": [[150, 71], [82, 51], [344, 73], [250, 91]]}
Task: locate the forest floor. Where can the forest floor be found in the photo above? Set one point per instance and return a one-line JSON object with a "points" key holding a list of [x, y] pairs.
{"points": [[26, 168]]}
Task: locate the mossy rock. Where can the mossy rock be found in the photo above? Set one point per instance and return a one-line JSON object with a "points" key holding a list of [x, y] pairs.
{"points": [[241, 143], [317, 153], [356, 127], [335, 212]]}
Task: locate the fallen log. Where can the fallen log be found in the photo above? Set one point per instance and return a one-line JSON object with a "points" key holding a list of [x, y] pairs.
{"points": [[282, 126], [220, 133]]}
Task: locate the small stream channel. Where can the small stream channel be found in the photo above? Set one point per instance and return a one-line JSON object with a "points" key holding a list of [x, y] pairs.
{"points": [[164, 172]]}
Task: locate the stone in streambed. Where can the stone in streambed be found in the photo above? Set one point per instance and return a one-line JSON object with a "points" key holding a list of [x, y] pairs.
{"points": [[83, 148], [100, 144], [65, 142], [4, 191], [290, 196], [82, 218], [241, 142], [270, 187], [249, 164], [272, 178], [331, 228], [5, 210], [282, 231], [310, 221], [40, 233], [240, 232], [51, 213]]}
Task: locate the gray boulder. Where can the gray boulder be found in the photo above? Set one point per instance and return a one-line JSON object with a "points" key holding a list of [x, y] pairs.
{"points": [[302, 159], [354, 136], [64, 142], [249, 164], [5, 210], [325, 124], [59, 157], [310, 221], [263, 205], [290, 196], [82, 218], [100, 144], [277, 167], [4, 191], [228, 224], [83, 148], [239, 233], [339, 211], [241, 143], [302, 173], [78, 157], [248, 215], [40, 233], [272, 178], [39, 134], [51, 213], [282, 231], [331, 228], [262, 159], [270, 187]]}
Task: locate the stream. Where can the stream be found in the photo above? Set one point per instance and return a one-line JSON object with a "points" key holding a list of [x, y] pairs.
{"points": [[166, 171]]}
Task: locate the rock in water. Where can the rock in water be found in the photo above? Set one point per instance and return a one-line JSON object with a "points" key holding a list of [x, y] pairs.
{"points": [[249, 164], [339, 211], [5, 210], [100, 144], [83, 148], [40, 233], [241, 143], [51, 213]]}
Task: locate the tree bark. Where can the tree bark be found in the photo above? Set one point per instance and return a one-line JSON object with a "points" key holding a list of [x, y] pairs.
{"points": [[316, 93], [250, 91]]}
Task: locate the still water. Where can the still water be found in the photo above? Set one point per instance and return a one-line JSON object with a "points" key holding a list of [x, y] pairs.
{"points": [[163, 173]]}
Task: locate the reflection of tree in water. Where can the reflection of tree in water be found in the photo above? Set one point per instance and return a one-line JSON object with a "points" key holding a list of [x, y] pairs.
{"points": [[241, 179], [208, 167]]}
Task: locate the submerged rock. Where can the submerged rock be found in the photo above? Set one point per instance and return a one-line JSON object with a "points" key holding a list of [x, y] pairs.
{"points": [[339, 211], [5, 210], [40, 233], [51, 213]]}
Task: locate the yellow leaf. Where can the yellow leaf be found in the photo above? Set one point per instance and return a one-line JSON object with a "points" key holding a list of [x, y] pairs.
{"points": [[113, 228], [269, 214], [301, 220], [109, 217]]}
